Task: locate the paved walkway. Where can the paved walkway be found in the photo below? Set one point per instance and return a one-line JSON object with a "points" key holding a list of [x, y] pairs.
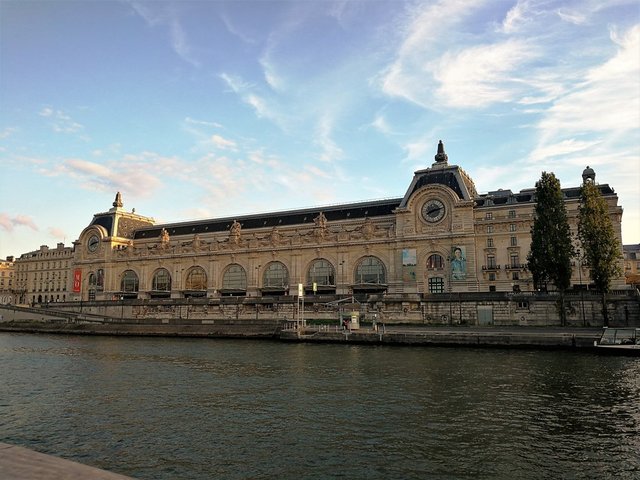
{"points": [[18, 463]]}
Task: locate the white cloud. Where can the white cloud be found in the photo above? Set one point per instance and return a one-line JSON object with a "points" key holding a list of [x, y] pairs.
{"points": [[607, 101], [223, 143], [482, 75], [562, 148]]}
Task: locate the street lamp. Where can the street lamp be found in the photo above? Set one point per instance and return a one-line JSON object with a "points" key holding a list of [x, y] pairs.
{"points": [[580, 258]]}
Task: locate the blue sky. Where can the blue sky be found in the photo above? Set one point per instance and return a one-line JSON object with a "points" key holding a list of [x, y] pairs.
{"points": [[205, 109]]}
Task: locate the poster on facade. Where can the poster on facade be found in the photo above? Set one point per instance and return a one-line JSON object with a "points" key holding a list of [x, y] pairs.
{"points": [[458, 263], [409, 262], [77, 280]]}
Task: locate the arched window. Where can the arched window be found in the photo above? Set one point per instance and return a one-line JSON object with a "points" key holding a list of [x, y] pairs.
{"points": [[275, 275], [93, 281], [129, 281], [234, 278], [370, 270], [435, 262], [322, 273], [196, 279], [161, 281]]}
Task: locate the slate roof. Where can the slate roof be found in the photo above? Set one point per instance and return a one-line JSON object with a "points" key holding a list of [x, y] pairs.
{"points": [[303, 217]]}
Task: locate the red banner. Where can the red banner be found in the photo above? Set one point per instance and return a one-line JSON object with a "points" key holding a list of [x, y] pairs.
{"points": [[77, 280]]}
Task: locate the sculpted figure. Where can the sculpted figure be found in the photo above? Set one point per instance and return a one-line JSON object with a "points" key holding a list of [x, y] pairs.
{"points": [[164, 236], [368, 228], [235, 231], [275, 236], [320, 221]]}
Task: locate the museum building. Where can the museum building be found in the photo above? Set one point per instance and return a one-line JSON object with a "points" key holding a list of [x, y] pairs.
{"points": [[441, 236]]}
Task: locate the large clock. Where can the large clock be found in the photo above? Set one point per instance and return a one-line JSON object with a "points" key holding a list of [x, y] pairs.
{"points": [[93, 243], [433, 210]]}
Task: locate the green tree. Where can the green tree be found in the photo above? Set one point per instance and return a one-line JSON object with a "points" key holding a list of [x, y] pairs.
{"points": [[551, 250], [601, 246]]}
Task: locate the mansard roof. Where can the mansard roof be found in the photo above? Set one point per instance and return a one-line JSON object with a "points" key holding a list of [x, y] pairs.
{"points": [[301, 217], [505, 197]]}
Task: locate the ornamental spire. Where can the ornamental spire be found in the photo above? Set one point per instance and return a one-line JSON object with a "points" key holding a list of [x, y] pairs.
{"points": [[441, 157], [118, 201]]}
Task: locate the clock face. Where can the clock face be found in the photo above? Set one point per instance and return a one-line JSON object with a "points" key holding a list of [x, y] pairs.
{"points": [[433, 210], [93, 243]]}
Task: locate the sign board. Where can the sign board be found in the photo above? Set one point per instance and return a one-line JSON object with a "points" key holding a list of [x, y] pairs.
{"points": [[300, 290]]}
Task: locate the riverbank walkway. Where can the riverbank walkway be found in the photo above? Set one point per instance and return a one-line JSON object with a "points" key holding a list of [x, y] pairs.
{"points": [[19, 463], [493, 336]]}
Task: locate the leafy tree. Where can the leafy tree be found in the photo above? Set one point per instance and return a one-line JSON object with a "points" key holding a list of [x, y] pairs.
{"points": [[599, 242], [551, 250]]}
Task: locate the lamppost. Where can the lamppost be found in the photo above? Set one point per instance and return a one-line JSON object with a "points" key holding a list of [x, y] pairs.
{"points": [[580, 258], [257, 282], [449, 267]]}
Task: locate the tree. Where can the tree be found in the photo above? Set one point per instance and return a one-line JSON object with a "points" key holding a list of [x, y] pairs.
{"points": [[551, 250], [599, 242]]}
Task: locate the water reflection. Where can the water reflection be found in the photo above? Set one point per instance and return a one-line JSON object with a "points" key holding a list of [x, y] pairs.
{"points": [[159, 408]]}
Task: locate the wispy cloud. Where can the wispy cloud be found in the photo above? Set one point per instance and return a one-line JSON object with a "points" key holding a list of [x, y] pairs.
{"points": [[142, 173], [8, 222], [60, 121], [7, 132], [167, 15], [56, 232], [263, 108]]}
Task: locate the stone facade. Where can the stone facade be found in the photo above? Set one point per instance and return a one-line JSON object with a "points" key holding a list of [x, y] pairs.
{"points": [[632, 264], [440, 238], [7, 281], [44, 275]]}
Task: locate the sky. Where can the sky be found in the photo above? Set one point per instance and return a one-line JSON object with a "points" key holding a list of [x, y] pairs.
{"points": [[205, 109]]}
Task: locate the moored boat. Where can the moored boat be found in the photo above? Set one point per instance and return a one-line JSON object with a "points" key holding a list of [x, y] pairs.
{"points": [[625, 341]]}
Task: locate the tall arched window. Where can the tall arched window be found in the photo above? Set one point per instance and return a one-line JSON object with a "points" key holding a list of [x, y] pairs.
{"points": [[234, 279], [322, 273], [370, 270], [275, 275], [196, 279], [435, 262], [129, 282], [161, 281]]}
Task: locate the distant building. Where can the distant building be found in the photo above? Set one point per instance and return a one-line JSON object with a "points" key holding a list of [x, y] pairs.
{"points": [[43, 276], [631, 255], [6, 281]]}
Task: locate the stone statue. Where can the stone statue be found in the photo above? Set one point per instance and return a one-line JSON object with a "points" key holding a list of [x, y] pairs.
{"points": [[235, 231]]}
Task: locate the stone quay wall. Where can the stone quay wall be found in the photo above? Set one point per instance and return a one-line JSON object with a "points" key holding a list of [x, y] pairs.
{"points": [[467, 309]]}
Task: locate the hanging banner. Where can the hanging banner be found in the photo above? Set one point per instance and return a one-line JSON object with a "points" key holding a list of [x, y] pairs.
{"points": [[409, 262], [77, 280], [458, 263]]}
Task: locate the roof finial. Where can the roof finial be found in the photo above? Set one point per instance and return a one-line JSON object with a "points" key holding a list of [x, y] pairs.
{"points": [[118, 201], [588, 175], [441, 157]]}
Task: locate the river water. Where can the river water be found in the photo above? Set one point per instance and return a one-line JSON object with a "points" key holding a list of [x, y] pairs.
{"points": [[164, 408]]}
